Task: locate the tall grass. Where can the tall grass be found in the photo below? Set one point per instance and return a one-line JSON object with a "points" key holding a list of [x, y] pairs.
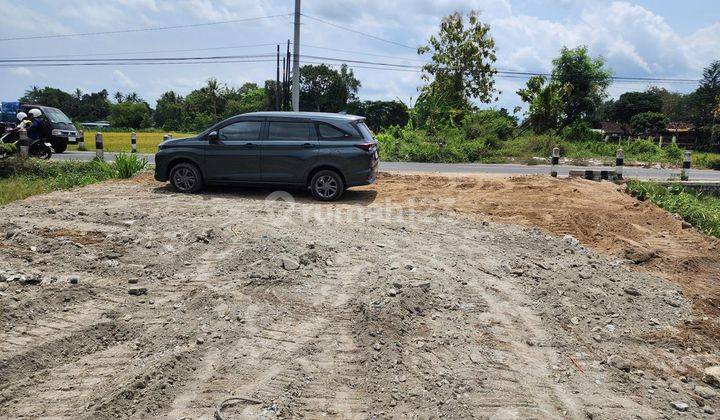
{"points": [[700, 210], [128, 165], [21, 178]]}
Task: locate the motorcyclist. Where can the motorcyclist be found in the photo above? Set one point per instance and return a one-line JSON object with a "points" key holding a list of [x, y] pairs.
{"points": [[35, 128]]}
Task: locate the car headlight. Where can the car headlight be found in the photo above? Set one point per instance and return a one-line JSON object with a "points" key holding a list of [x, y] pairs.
{"points": [[56, 132]]}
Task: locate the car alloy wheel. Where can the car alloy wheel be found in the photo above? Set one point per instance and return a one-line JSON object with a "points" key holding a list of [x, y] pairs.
{"points": [[185, 179], [326, 186]]}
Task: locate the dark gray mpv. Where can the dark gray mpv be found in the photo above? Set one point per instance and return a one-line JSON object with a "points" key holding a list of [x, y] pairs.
{"points": [[324, 152]]}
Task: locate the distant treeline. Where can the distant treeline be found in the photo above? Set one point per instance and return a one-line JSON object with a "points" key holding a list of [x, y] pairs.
{"points": [[322, 89]]}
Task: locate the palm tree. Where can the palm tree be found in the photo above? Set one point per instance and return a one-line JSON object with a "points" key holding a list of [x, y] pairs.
{"points": [[213, 90], [118, 97]]}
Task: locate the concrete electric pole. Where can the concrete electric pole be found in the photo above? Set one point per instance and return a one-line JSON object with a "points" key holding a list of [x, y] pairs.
{"points": [[296, 60]]}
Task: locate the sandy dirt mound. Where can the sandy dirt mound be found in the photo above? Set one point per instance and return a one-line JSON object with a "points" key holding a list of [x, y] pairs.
{"points": [[164, 305]]}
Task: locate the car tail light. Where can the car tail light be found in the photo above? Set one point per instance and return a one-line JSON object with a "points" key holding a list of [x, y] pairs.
{"points": [[366, 146]]}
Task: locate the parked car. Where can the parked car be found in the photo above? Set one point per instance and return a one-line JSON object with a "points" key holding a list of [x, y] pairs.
{"points": [[324, 152], [63, 130]]}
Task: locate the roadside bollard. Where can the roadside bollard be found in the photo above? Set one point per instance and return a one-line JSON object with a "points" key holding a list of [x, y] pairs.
{"points": [[555, 162], [166, 137], [685, 174], [24, 143], [99, 152], [133, 142], [81, 140], [619, 162]]}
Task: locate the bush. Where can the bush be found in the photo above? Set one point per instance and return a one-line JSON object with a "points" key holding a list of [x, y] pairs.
{"points": [[673, 152], [488, 124], [643, 147], [700, 210], [706, 160], [580, 131], [128, 165]]}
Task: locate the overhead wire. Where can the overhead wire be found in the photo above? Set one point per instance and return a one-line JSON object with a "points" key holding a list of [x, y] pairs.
{"points": [[156, 28]]}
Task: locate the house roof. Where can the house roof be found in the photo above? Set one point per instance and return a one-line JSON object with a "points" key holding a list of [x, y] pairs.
{"points": [[614, 128], [680, 127]]}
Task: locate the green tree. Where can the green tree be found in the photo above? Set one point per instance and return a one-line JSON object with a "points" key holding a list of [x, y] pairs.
{"points": [[546, 103], [463, 55], [325, 89], [94, 106], [170, 112], [649, 123], [53, 97], [249, 98], [633, 103], [380, 114], [130, 115], [675, 105], [587, 80]]}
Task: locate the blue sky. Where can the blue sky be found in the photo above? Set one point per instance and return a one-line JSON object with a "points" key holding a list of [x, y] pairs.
{"points": [[642, 38]]}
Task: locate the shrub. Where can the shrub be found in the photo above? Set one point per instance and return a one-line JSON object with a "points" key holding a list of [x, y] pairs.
{"points": [[128, 165], [673, 152], [488, 124], [580, 131], [643, 147], [705, 160], [700, 210]]}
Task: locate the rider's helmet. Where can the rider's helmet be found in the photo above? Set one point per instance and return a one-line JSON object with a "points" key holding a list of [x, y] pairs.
{"points": [[35, 112], [21, 116]]}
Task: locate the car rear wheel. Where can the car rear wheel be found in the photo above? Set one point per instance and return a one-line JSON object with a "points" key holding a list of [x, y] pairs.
{"points": [[327, 185], [186, 178]]}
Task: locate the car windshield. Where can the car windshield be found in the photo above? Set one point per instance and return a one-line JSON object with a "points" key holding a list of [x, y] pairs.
{"points": [[57, 116]]}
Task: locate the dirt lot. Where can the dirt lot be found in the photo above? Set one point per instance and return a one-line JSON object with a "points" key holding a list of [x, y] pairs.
{"points": [[418, 297]]}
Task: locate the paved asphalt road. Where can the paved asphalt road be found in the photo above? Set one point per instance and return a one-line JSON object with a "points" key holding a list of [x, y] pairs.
{"points": [[506, 169]]}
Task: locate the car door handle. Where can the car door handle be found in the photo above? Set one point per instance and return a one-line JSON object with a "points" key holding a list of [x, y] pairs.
{"points": [[308, 145], [250, 145]]}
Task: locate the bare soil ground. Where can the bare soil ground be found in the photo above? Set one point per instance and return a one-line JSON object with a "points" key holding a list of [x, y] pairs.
{"points": [[420, 296]]}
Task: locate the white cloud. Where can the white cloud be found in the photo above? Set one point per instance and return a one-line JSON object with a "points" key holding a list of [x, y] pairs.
{"points": [[21, 71], [122, 80]]}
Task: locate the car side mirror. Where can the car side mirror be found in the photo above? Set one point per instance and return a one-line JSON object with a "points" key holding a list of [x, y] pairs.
{"points": [[213, 137]]}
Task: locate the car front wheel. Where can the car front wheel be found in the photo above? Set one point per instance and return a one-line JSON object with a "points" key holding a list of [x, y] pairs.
{"points": [[186, 178], [327, 185]]}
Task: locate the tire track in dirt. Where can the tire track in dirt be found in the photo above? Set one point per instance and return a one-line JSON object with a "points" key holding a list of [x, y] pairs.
{"points": [[287, 345]]}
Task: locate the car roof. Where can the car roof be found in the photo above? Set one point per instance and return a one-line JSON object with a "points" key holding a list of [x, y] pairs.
{"points": [[326, 116]]}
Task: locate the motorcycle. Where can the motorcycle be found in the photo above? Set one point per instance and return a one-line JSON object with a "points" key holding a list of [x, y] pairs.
{"points": [[10, 145]]}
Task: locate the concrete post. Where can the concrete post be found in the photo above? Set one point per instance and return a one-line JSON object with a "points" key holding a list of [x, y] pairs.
{"points": [[99, 152], [24, 144], [133, 142], [81, 140], [166, 137], [619, 163], [685, 174], [660, 142], [555, 162]]}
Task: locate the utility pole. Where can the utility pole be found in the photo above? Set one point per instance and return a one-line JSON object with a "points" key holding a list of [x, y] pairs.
{"points": [[277, 80], [296, 60]]}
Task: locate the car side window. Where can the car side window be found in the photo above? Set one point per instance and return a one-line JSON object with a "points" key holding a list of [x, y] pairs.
{"points": [[329, 132], [291, 130], [241, 130]]}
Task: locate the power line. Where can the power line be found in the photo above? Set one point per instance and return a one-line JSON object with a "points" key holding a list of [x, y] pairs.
{"points": [[229, 47], [376, 65], [136, 63], [157, 28], [359, 32], [365, 53], [91, 60]]}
